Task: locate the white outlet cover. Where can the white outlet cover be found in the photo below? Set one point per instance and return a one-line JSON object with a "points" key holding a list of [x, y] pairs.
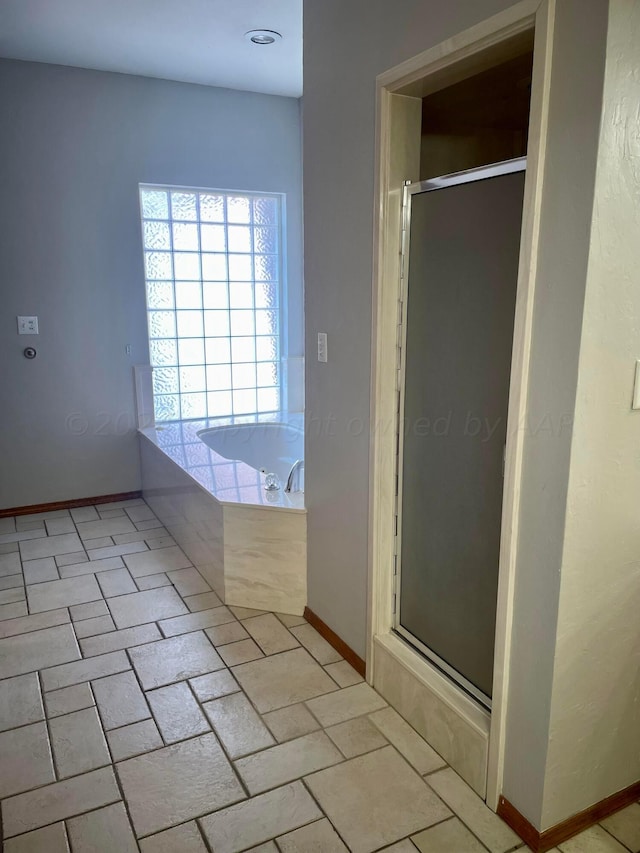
{"points": [[27, 325]]}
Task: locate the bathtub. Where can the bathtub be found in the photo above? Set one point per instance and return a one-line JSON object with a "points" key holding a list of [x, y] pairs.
{"points": [[205, 480], [265, 447]]}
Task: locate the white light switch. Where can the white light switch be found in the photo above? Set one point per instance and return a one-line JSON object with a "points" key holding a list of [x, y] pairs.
{"points": [[27, 325], [322, 346], [636, 388]]}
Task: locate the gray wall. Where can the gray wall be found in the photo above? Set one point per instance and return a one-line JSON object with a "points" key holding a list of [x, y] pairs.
{"points": [[346, 45], [73, 148], [594, 731], [572, 151]]}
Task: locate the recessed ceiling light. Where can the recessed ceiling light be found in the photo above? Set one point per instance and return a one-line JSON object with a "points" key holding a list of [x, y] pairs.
{"points": [[263, 36]]}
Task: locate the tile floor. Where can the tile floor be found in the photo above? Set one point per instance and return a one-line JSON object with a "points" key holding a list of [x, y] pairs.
{"points": [[138, 713]]}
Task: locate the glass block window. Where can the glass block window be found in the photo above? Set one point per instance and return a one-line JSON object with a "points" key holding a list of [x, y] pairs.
{"points": [[213, 271]]}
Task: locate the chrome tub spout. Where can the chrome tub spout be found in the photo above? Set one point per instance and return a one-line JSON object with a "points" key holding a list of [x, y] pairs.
{"points": [[294, 476]]}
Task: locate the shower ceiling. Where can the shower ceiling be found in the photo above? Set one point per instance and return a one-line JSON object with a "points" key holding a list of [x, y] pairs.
{"points": [[194, 41]]}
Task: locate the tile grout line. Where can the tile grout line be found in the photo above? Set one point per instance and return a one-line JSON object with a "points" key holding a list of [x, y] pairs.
{"points": [[63, 819], [116, 773], [626, 846], [144, 693], [54, 762], [202, 835], [455, 814], [320, 809]]}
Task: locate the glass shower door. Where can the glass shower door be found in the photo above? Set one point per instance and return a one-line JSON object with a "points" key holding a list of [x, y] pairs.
{"points": [[464, 242]]}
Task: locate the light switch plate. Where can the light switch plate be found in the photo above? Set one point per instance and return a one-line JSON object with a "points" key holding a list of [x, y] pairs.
{"points": [[27, 325], [636, 388], [322, 346]]}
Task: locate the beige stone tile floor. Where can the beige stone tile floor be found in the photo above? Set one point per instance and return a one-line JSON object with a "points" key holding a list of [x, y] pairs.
{"points": [[138, 713]]}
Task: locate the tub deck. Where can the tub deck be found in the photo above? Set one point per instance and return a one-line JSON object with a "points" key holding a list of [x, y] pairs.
{"points": [[250, 544], [229, 481]]}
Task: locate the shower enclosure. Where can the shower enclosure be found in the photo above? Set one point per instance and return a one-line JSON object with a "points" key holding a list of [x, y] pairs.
{"points": [[461, 249]]}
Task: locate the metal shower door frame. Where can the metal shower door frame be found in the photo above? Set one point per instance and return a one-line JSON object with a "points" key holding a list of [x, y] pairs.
{"points": [[494, 170]]}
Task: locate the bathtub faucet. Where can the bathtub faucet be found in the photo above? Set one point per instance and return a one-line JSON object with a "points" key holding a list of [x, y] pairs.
{"points": [[294, 476]]}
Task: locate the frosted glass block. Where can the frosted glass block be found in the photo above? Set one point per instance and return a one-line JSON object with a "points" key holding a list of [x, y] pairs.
{"points": [[165, 380], [240, 294], [266, 294], [156, 235], [185, 237], [266, 349], [189, 433], [218, 350], [204, 475], [184, 206], [190, 324], [213, 238], [197, 454], [211, 207], [154, 204], [218, 377], [187, 265], [162, 324], [191, 351], [176, 453], [265, 240], [158, 265], [244, 402], [265, 211], [224, 473], [238, 209], [162, 353], [188, 294], [239, 237], [266, 267], [167, 407], [159, 294], [192, 379], [266, 323], [216, 324], [193, 406], [219, 404], [215, 295], [241, 323], [240, 268], [214, 267], [243, 349], [244, 375], [268, 400], [267, 374]]}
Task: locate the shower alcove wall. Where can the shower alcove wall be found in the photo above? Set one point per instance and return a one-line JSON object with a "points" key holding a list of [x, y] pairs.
{"points": [[478, 98]]}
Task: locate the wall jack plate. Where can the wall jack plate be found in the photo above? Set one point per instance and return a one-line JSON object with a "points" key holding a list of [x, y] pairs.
{"points": [[27, 325]]}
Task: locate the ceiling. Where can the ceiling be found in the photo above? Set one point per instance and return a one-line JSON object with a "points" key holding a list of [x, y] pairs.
{"points": [[194, 41]]}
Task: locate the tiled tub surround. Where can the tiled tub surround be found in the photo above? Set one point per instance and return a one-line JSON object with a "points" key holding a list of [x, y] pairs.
{"points": [[138, 713], [250, 544]]}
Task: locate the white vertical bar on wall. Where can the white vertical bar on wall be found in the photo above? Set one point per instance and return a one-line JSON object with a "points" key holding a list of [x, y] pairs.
{"points": [[143, 381]]}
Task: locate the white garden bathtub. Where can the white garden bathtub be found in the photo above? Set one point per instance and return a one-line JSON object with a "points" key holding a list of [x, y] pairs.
{"points": [[266, 447], [205, 480]]}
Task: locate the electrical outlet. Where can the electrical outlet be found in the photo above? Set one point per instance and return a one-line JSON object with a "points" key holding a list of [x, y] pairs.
{"points": [[27, 325], [322, 346]]}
